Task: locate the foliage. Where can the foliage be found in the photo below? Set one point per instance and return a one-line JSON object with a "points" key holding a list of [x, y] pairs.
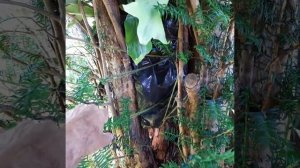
{"points": [[31, 75], [150, 24], [215, 144], [32, 98], [82, 86], [85, 91], [170, 164], [42, 20], [122, 122], [177, 12], [163, 49], [101, 158], [185, 56], [256, 25], [215, 49]]}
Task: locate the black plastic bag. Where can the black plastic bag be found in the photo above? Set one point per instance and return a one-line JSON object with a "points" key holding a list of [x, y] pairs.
{"points": [[154, 84]]}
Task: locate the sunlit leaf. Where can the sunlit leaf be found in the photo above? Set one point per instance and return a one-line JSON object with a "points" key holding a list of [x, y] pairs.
{"points": [[150, 23]]}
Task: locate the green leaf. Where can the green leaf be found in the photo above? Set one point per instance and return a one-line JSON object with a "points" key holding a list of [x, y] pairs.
{"points": [[150, 24], [73, 9], [185, 56], [71, 2], [135, 50], [202, 51]]}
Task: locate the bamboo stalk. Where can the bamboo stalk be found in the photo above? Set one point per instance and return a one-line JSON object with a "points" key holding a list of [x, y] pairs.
{"points": [[192, 8], [192, 86], [182, 130]]}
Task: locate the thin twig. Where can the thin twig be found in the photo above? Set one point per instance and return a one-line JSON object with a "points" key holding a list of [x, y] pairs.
{"points": [[90, 34]]}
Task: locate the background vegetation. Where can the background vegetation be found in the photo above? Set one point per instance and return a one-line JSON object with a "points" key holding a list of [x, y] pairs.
{"points": [[215, 116], [267, 84], [201, 42], [32, 67]]}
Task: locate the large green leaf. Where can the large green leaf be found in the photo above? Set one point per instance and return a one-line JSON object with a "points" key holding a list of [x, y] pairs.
{"points": [[135, 50], [73, 9], [150, 24]]}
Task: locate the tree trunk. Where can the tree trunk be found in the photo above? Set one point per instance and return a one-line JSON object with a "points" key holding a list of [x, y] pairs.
{"points": [[116, 61], [260, 66]]}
